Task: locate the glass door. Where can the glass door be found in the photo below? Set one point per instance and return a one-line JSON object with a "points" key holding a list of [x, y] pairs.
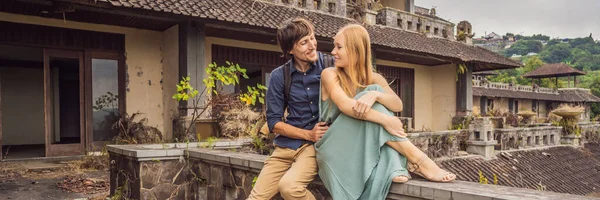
{"points": [[63, 102], [104, 97]]}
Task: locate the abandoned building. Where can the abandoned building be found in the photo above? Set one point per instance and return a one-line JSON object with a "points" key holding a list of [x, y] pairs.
{"points": [[514, 98], [68, 67]]}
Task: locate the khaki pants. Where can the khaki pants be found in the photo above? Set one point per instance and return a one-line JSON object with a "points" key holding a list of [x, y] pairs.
{"points": [[288, 172]]}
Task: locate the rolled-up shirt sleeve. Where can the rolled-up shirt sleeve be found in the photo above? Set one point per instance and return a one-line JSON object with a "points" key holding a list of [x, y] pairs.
{"points": [[275, 101]]}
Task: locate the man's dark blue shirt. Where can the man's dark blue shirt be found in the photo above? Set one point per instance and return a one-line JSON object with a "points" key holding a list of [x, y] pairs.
{"points": [[303, 100]]}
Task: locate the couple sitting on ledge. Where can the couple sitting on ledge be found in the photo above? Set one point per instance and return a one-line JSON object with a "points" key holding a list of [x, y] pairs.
{"points": [[340, 122]]}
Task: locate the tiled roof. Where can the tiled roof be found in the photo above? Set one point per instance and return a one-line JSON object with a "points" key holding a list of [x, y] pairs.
{"points": [[269, 15], [490, 92], [570, 95], [553, 70], [560, 169], [578, 95]]}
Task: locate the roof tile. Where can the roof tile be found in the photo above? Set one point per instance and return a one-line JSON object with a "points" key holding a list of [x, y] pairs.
{"points": [[566, 170]]}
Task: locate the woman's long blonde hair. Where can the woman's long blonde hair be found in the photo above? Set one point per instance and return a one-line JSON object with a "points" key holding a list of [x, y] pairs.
{"points": [[359, 72]]}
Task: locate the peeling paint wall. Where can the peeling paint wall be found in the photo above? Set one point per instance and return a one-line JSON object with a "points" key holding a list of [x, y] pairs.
{"points": [[542, 111], [144, 62], [443, 95]]}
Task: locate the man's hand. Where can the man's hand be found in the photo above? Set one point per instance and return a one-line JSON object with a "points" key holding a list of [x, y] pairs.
{"points": [[394, 126], [364, 103], [318, 131]]}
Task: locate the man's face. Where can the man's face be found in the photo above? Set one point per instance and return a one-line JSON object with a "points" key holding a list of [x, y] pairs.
{"points": [[306, 49]]}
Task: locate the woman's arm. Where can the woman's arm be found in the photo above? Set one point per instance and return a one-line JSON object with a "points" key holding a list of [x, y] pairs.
{"points": [[345, 104], [389, 98]]}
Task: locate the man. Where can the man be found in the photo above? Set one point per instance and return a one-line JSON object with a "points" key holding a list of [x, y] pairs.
{"points": [[292, 165]]}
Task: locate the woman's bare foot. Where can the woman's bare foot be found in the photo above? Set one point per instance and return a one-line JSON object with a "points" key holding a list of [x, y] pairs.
{"points": [[426, 168]]}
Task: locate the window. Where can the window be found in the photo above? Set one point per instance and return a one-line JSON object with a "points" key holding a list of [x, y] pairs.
{"points": [[399, 23], [427, 29], [418, 27], [409, 25], [331, 8], [318, 5], [402, 81], [436, 31], [490, 104]]}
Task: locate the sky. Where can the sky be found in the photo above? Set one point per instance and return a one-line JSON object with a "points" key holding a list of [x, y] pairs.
{"points": [[555, 18]]}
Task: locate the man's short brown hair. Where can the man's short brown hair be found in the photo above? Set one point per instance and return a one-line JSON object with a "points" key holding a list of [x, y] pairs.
{"points": [[291, 31]]}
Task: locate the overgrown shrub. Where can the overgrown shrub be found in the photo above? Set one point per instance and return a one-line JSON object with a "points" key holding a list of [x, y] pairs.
{"points": [[512, 119], [239, 120], [135, 131]]}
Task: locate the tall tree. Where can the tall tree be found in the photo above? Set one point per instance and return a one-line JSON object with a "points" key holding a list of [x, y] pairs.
{"points": [[523, 47], [557, 53]]}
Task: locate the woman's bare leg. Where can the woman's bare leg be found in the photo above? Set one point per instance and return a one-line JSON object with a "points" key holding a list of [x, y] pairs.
{"points": [[426, 166]]}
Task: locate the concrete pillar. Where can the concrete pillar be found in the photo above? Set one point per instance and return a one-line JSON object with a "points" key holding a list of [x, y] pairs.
{"points": [[481, 138], [484, 106], [464, 92], [191, 57]]}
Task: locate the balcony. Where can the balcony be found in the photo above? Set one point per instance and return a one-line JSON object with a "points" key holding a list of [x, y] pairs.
{"points": [[513, 87]]}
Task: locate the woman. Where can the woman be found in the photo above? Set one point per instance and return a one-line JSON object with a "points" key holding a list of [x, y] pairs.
{"points": [[365, 148]]}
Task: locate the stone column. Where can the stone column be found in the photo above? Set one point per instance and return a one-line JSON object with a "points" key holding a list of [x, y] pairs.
{"points": [[481, 138], [464, 92], [387, 17], [191, 57], [370, 17]]}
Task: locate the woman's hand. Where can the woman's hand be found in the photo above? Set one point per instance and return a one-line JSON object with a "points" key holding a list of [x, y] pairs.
{"points": [[364, 103], [394, 126]]}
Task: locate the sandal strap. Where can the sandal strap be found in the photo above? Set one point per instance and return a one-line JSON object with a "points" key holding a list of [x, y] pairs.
{"points": [[417, 165]]}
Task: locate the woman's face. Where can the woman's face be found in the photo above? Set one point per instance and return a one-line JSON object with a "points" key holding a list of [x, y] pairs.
{"points": [[339, 51]]}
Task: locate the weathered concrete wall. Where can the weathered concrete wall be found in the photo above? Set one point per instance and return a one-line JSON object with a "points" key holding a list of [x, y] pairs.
{"points": [[519, 138], [443, 83], [590, 132], [144, 62], [22, 103], [397, 4], [542, 111], [525, 104], [439, 144], [170, 53]]}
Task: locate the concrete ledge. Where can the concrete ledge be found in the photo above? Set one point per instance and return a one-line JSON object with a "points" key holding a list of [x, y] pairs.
{"points": [[436, 133], [171, 150], [417, 188], [248, 166], [523, 129]]}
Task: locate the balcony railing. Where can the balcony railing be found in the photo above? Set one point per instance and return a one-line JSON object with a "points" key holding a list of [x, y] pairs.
{"points": [[513, 87]]}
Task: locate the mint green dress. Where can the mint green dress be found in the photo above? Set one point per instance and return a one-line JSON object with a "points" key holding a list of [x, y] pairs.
{"points": [[354, 161]]}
